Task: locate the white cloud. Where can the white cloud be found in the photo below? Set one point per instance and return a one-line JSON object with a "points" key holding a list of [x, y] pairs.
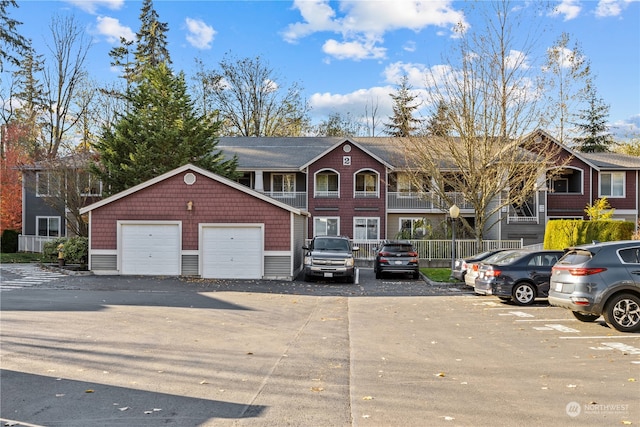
{"points": [[608, 8], [200, 34], [355, 50], [113, 30], [368, 20], [91, 6], [570, 9], [324, 104]]}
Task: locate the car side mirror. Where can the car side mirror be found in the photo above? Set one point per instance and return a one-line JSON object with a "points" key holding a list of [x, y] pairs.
{"points": [[305, 247]]}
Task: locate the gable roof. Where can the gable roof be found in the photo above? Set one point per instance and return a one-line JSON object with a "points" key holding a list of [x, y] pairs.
{"points": [[612, 160], [598, 161], [296, 153], [193, 168]]}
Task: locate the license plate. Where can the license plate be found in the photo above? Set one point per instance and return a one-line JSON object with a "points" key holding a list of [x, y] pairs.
{"points": [[398, 262], [558, 287], [328, 274]]}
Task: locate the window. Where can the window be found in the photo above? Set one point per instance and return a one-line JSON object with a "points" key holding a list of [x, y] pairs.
{"points": [[630, 255], [366, 184], [48, 226], [326, 226], [326, 184], [405, 184], [89, 185], [366, 228], [412, 228], [612, 184], [45, 184], [283, 182]]}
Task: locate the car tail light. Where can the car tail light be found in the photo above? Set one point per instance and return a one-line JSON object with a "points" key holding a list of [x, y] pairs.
{"points": [[474, 267], [492, 273], [383, 253], [412, 253], [582, 271]]}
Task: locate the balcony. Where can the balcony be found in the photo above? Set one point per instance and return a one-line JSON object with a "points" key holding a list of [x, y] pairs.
{"points": [[425, 201], [297, 199]]}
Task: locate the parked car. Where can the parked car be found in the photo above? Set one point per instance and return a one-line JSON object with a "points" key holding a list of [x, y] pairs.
{"points": [[520, 276], [397, 257], [600, 279], [472, 268], [330, 257], [461, 265]]}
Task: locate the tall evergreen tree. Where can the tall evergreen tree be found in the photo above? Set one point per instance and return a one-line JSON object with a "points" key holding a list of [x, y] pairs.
{"points": [[593, 125], [11, 41], [440, 123], [402, 122], [151, 46], [159, 132]]}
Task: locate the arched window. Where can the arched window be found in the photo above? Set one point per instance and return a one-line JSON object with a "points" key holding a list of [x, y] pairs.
{"points": [[327, 184], [366, 184]]}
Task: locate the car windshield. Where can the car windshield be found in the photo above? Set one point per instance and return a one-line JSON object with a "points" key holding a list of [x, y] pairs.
{"points": [[397, 248], [578, 256], [509, 258], [495, 257], [331, 245]]}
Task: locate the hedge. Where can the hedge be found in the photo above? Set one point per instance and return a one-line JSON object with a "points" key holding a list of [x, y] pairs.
{"points": [[564, 233], [9, 242]]}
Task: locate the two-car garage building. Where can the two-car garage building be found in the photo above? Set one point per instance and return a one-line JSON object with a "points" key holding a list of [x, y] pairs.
{"points": [[192, 222]]}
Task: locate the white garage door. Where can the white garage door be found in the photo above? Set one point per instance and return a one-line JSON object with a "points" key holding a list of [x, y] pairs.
{"points": [[232, 252], [150, 249]]}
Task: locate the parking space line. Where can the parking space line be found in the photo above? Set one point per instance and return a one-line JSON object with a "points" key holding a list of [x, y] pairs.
{"points": [[599, 337], [546, 320]]}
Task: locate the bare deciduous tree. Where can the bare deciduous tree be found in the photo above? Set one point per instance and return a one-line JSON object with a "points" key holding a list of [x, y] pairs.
{"points": [[249, 97], [568, 76], [63, 79], [490, 158]]}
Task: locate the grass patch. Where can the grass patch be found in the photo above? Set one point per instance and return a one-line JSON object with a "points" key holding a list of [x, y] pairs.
{"points": [[21, 257], [438, 274]]}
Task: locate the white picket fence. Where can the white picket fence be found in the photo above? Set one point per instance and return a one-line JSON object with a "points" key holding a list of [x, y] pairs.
{"points": [[32, 243]]}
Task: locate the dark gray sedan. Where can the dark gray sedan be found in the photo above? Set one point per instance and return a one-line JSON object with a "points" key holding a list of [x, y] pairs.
{"points": [[522, 276]]}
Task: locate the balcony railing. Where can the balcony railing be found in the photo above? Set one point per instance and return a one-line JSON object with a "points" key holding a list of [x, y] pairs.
{"points": [[425, 200], [296, 199]]}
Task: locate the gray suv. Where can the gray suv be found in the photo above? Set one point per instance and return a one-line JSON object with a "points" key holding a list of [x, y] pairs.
{"points": [[600, 279], [329, 257]]}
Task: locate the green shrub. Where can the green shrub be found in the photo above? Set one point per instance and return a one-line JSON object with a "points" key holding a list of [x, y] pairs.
{"points": [[563, 233], [74, 249], [50, 249], [9, 242]]}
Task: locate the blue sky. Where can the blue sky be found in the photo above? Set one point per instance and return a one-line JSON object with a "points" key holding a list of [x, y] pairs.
{"points": [[346, 54]]}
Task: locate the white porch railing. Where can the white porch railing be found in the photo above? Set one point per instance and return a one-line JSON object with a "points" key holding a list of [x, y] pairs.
{"points": [[424, 200], [32, 243], [437, 249], [297, 199]]}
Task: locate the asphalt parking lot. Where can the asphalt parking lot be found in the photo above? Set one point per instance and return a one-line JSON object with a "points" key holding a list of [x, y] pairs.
{"points": [[147, 351]]}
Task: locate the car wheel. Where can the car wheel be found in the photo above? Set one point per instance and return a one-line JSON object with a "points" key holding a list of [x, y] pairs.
{"points": [[524, 294], [585, 317], [351, 279], [416, 275], [623, 313], [378, 274]]}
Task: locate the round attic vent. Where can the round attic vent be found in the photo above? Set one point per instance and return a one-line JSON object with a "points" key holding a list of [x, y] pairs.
{"points": [[189, 178], [346, 148]]}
